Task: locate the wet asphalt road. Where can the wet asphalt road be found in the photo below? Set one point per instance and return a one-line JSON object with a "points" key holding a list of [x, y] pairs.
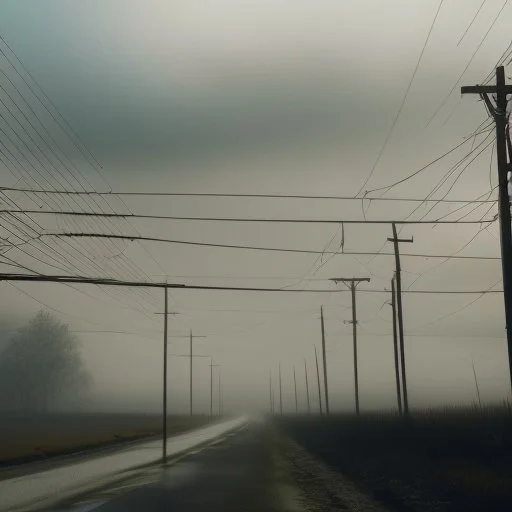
{"points": [[238, 473]]}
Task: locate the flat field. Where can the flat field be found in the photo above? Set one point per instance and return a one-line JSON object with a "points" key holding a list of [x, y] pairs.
{"points": [[25, 438], [434, 461]]}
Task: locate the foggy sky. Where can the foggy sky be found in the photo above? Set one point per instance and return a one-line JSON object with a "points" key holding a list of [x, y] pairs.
{"points": [[271, 97]]}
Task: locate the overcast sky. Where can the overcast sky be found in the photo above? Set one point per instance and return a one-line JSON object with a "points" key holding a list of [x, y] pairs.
{"points": [[274, 97]]}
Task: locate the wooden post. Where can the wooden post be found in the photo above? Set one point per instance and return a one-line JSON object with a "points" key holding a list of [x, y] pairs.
{"points": [[318, 383], [326, 387], [307, 386], [395, 348], [164, 405], [398, 277]]}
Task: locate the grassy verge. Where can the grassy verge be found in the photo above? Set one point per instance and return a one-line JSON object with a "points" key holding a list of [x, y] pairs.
{"points": [[449, 459], [31, 438]]}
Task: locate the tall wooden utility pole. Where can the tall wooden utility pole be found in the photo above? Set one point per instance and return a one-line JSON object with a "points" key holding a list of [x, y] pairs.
{"points": [[499, 112], [395, 348], [164, 391], [318, 383], [295, 385], [280, 391], [307, 386], [191, 370], [352, 283], [398, 277], [326, 387], [164, 405]]}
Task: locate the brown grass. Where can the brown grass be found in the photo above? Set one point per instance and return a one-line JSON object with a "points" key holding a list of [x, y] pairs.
{"points": [[27, 438]]}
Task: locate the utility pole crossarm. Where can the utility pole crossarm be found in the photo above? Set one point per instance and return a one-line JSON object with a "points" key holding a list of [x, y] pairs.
{"points": [[483, 89], [350, 279], [401, 240]]}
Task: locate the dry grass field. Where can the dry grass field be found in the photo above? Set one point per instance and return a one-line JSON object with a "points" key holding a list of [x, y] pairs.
{"points": [[28, 438]]}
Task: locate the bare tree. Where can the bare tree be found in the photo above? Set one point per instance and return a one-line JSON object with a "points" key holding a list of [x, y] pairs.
{"points": [[41, 367]]}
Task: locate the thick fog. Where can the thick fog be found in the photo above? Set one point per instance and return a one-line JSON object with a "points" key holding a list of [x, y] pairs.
{"points": [[268, 98]]}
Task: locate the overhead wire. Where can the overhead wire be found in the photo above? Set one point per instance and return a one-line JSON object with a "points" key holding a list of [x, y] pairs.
{"points": [[402, 103], [67, 128], [38, 98], [264, 220], [472, 22], [458, 176], [468, 64], [218, 195], [458, 310], [34, 128]]}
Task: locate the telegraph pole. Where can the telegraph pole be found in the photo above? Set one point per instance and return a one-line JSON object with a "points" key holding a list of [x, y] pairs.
{"points": [[398, 277], [307, 386], [191, 368], [219, 396], [295, 385], [326, 387], [352, 283], [164, 394], [395, 347], [191, 358], [318, 383], [271, 401], [499, 112], [164, 408], [280, 391], [211, 387]]}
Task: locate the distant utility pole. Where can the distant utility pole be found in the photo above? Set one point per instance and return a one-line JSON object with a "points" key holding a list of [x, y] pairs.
{"points": [[295, 385], [211, 386], [191, 368], [271, 400], [476, 384], [398, 277], [280, 391], [499, 112], [220, 399], [395, 347], [351, 283], [307, 386], [326, 387], [191, 373], [318, 383]]}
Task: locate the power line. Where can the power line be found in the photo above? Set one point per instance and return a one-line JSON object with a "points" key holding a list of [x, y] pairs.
{"points": [[269, 249], [65, 127], [51, 307], [180, 286], [471, 22], [451, 171], [402, 104], [127, 263], [420, 170], [233, 219], [220, 195], [468, 63]]}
